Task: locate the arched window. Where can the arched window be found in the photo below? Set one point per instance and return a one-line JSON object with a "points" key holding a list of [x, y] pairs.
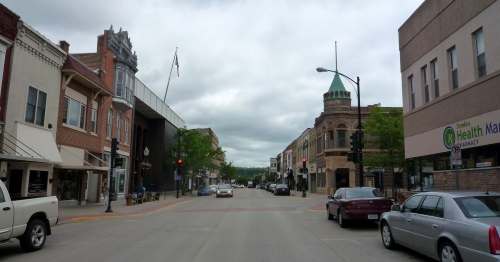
{"points": [[126, 130], [118, 127], [110, 123]]}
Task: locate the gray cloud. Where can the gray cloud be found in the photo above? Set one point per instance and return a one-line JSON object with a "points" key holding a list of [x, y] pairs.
{"points": [[247, 68]]}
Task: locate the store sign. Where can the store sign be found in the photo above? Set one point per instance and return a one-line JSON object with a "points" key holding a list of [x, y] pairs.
{"points": [[472, 132], [37, 181], [483, 164]]}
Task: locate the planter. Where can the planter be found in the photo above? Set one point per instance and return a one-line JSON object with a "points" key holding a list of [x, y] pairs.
{"points": [[150, 198], [130, 202], [157, 197], [401, 201]]}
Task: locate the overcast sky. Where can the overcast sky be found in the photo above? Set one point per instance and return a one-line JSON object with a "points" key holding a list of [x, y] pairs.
{"points": [[247, 68]]}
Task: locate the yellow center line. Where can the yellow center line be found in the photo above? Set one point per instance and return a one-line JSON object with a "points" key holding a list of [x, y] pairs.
{"points": [[176, 204]]}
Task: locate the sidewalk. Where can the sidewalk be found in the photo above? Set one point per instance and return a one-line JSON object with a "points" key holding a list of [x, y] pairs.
{"points": [[120, 209]]}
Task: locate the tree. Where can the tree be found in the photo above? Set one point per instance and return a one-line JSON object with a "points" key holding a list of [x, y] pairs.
{"points": [[196, 152], [272, 176], [227, 172], [384, 131]]}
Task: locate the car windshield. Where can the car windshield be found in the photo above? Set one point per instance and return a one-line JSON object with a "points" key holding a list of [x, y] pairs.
{"points": [[362, 192], [225, 186], [202, 188], [479, 206], [281, 186], [212, 186]]}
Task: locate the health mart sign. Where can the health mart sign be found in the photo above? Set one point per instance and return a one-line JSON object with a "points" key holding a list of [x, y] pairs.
{"points": [[472, 132]]}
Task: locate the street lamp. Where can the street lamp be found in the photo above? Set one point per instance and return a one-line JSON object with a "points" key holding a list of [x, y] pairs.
{"points": [[359, 149], [146, 154]]}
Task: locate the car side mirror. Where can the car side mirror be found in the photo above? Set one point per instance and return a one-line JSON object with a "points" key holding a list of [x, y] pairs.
{"points": [[396, 208]]}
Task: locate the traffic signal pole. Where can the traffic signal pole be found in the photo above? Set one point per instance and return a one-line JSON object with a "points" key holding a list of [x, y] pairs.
{"points": [[360, 148]]}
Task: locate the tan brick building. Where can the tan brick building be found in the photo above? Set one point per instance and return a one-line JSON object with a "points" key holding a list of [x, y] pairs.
{"points": [[450, 74]]}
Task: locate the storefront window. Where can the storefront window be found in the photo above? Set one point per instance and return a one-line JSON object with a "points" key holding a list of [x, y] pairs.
{"points": [[487, 156], [443, 161], [67, 186], [426, 177]]}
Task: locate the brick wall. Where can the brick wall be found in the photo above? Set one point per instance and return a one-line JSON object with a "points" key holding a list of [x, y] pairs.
{"points": [[476, 180]]}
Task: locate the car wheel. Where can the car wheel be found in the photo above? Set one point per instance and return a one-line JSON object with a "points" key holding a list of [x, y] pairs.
{"points": [[328, 214], [387, 238], [33, 238], [342, 221], [448, 252]]}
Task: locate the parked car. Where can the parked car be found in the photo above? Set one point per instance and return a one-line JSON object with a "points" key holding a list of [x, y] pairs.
{"points": [[446, 226], [282, 189], [29, 220], [271, 188], [266, 187], [204, 190], [357, 204], [213, 188], [224, 190], [242, 186]]}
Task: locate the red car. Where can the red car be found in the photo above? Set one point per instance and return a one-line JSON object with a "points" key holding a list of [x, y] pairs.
{"points": [[357, 203]]}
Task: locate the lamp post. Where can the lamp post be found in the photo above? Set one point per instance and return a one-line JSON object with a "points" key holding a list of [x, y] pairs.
{"points": [[146, 154], [359, 149]]}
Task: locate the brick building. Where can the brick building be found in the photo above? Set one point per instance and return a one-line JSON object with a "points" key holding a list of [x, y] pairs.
{"points": [[450, 75]]}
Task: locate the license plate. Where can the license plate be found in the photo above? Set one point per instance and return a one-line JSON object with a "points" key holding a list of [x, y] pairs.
{"points": [[373, 216]]}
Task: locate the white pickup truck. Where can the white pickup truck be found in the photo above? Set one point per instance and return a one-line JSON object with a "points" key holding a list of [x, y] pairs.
{"points": [[28, 220]]}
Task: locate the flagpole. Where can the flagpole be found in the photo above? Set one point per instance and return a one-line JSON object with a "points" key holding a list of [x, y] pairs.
{"points": [[173, 61]]}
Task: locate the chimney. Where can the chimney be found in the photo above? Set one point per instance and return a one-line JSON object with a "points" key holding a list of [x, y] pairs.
{"points": [[64, 45]]}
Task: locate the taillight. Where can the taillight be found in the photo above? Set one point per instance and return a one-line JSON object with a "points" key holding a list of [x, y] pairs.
{"points": [[494, 241], [351, 205]]}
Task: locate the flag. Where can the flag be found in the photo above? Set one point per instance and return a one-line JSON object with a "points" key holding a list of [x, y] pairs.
{"points": [[177, 64]]}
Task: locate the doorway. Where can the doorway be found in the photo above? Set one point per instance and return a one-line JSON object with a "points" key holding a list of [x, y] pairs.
{"points": [[342, 177]]}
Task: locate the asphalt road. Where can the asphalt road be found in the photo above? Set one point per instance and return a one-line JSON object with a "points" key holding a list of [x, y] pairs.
{"points": [[254, 225]]}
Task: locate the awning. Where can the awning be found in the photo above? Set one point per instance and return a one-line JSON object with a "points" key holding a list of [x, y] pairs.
{"points": [[12, 158], [95, 169], [37, 142]]}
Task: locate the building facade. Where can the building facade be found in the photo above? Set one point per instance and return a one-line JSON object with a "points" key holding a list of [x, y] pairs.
{"points": [[450, 75], [31, 113]]}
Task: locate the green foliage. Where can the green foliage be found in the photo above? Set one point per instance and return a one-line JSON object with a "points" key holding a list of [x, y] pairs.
{"points": [[243, 180], [272, 176], [196, 152], [227, 171], [384, 131]]}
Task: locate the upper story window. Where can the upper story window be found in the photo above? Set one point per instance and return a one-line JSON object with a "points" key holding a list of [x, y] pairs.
{"points": [[330, 139], [94, 121], [412, 91], [74, 113], [481, 57], [426, 83], [124, 84], [453, 64], [35, 106], [126, 130], [110, 123], [118, 127], [435, 73], [341, 138]]}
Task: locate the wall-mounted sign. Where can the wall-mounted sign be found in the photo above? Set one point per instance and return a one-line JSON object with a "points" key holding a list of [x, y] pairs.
{"points": [[483, 164], [38, 181]]}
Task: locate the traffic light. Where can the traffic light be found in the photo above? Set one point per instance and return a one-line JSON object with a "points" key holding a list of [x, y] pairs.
{"points": [[306, 171], [114, 147], [179, 167], [354, 142], [301, 170], [352, 157]]}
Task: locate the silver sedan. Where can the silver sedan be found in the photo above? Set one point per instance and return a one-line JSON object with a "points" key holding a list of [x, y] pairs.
{"points": [[446, 226]]}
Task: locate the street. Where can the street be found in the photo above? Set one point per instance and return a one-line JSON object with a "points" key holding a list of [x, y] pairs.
{"points": [[254, 225]]}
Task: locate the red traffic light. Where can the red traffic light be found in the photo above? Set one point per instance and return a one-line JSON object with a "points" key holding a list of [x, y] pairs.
{"points": [[303, 160], [179, 161]]}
